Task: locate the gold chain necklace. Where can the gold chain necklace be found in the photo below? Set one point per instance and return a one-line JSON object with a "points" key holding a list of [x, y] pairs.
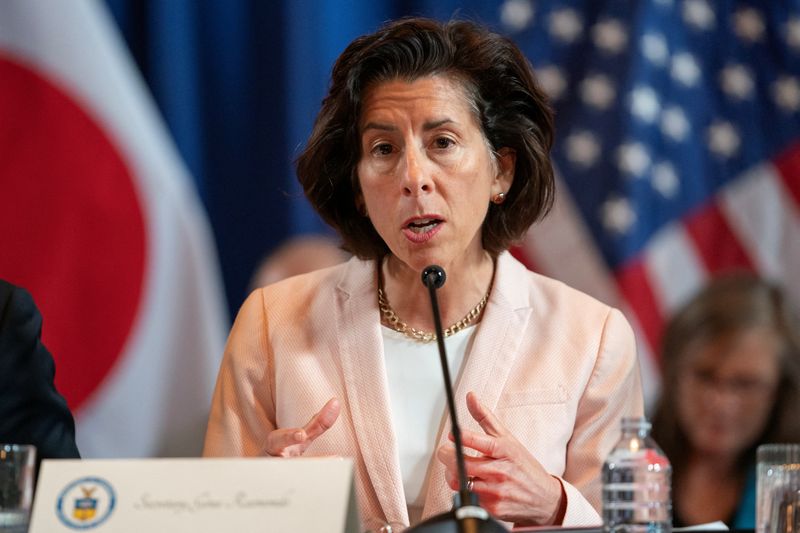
{"points": [[394, 322]]}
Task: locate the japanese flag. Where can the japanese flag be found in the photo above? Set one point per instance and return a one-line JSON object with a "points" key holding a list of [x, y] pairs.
{"points": [[100, 221]]}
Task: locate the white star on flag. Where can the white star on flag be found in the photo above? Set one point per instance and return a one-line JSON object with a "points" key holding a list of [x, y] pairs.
{"points": [[516, 15], [786, 92], [644, 104], [617, 215], [748, 25], [654, 48], [598, 91], [665, 180], [792, 29], [685, 69], [583, 149], [552, 81], [737, 82], [565, 25], [699, 14], [674, 123], [723, 139], [610, 36], [633, 159]]}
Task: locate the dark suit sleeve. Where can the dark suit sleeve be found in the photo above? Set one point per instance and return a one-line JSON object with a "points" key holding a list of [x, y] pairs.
{"points": [[31, 409]]}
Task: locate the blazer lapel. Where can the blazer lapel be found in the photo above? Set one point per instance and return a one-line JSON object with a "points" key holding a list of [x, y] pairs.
{"points": [[486, 367], [364, 373]]}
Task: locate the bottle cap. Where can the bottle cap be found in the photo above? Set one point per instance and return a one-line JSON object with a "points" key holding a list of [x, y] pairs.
{"points": [[636, 422]]}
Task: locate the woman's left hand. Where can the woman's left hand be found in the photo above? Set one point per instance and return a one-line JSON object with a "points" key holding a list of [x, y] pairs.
{"points": [[511, 484]]}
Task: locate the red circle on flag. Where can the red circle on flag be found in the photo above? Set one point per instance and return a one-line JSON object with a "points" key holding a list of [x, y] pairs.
{"points": [[71, 227]]}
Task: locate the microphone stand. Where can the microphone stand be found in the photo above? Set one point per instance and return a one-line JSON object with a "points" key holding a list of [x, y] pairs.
{"points": [[467, 515]]}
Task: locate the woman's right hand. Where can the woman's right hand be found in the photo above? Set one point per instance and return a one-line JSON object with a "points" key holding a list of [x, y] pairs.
{"points": [[292, 442]]}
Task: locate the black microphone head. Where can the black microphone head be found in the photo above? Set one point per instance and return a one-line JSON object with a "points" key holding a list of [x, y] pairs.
{"points": [[433, 275]]}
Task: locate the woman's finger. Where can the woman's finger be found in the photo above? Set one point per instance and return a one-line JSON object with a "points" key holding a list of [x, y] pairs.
{"points": [[323, 420], [484, 417], [475, 466], [446, 456], [451, 478], [292, 442], [281, 441], [480, 442], [478, 469]]}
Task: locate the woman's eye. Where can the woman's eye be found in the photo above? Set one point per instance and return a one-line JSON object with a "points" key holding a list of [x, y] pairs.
{"points": [[382, 149], [443, 142]]}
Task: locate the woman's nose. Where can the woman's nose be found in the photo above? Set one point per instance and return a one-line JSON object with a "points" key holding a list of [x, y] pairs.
{"points": [[721, 395], [416, 180]]}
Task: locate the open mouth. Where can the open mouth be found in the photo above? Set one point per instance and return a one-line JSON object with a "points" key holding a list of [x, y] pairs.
{"points": [[423, 225]]}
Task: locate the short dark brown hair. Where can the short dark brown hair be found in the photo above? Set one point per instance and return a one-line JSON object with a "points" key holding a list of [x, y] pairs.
{"points": [[511, 110], [730, 303]]}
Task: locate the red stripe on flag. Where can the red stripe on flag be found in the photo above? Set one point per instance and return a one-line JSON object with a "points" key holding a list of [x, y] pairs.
{"points": [[788, 165], [634, 284], [715, 242]]}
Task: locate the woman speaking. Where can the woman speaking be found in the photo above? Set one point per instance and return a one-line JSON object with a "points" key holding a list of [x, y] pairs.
{"points": [[432, 147]]}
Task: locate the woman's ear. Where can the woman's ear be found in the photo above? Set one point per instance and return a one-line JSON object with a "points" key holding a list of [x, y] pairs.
{"points": [[506, 165]]}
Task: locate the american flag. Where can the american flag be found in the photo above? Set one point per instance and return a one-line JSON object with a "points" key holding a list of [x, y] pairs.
{"points": [[677, 151]]}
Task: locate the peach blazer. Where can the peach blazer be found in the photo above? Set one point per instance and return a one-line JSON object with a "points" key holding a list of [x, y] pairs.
{"points": [[557, 367]]}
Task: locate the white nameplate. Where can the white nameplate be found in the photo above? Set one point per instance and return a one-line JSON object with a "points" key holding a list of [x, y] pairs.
{"points": [[195, 495]]}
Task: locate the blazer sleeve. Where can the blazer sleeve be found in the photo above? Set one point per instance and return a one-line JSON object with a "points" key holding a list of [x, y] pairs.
{"points": [[31, 409], [614, 391], [243, 407]]}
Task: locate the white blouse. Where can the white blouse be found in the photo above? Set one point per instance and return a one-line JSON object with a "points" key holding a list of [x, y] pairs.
{"points": [[417, 401]]}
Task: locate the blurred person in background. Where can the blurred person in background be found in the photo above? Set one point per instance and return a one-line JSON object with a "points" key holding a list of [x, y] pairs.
{"points": [[31, 409], [296, 256], [731, 370]]}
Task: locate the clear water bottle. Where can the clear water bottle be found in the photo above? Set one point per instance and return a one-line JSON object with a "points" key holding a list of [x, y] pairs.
{"points": [[637, 481]]}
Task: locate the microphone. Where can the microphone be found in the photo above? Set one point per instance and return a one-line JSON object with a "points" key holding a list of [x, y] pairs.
{"points": [[467, 515]]}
